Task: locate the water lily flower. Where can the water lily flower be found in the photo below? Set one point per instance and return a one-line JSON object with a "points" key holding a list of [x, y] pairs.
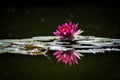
{"points": [[67, 31], [68, 57]]}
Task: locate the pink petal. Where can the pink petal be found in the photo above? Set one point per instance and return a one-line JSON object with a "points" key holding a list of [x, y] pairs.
{"points": [[64, 33], [73, 28], [74, 53], [67, 59], [76, 26], [71, 57], [75, 60], [60, 58], [56, 53], [60, 28], [70, 62], [70, 23], [66, 24], [78, 32], [55, 33]]}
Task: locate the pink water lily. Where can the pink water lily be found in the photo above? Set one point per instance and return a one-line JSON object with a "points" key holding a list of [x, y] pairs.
{"points": [[67, 31], [68, 57]]}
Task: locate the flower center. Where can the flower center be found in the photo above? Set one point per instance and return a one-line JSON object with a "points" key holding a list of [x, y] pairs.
{"points": [[66, 28]]}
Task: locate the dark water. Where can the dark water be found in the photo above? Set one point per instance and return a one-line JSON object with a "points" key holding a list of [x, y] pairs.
{"points": [[28, 21]]}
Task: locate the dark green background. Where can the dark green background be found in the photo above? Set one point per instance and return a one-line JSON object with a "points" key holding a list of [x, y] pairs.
{"points": [[26, 20]]}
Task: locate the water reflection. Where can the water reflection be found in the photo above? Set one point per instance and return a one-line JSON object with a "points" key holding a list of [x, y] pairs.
{"points": [[70, 57]]}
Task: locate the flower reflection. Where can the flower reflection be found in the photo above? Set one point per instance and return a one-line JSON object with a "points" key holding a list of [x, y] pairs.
{"points": [[68, 57], [67, 31]]}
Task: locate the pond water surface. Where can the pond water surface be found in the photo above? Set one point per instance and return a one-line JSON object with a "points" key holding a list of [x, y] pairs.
{"points": [[28, 21]]}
